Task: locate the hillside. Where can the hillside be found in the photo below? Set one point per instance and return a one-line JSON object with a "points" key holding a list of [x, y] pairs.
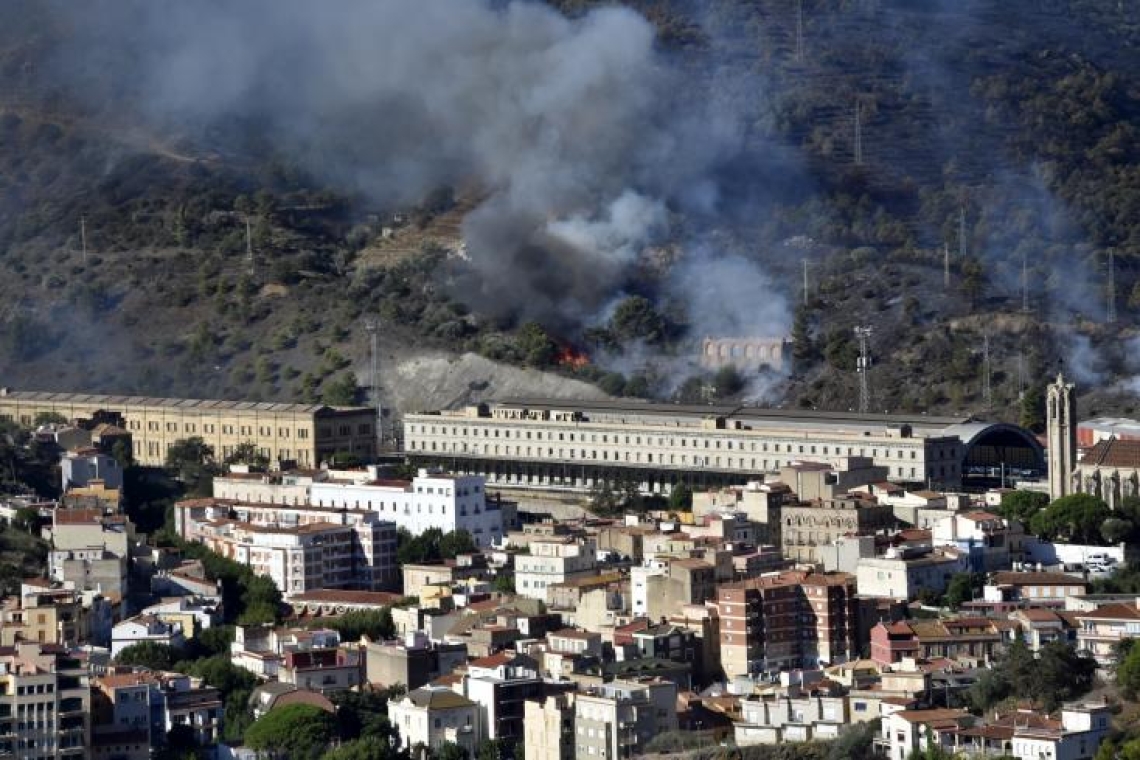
{"points": [[864, 145]]}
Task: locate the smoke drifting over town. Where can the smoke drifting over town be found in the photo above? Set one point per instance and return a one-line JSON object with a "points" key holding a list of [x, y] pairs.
{"points": [[569, 129]]}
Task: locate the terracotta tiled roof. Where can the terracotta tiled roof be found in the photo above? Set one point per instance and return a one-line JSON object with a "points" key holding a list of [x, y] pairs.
{"points": [[1111, 612], [1113, 452], [1037, 579]]}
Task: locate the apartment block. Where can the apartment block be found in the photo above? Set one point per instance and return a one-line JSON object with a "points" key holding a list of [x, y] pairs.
{"points": [[549, 726], [501, 684], [431, 499], [432, 716], [44, 703], [660, 586], [551, 562], [303, 433], [903, 573], [302, 548], [618, 719], [786, 621]]}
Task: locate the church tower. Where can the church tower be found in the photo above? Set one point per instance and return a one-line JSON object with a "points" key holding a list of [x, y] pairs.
{"points": [[1061, 431]]}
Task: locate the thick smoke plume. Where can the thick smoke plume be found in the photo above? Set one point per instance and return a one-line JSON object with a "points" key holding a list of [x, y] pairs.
{"points": [[569, 129]]}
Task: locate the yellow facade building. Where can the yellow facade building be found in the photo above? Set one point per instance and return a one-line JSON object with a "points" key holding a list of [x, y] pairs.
{"points": [[306, 434]]}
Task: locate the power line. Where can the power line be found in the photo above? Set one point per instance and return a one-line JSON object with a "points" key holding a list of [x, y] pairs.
{"points": [[962, 233], [858, 133], [864, 367], [83, 236], [946, 266]]}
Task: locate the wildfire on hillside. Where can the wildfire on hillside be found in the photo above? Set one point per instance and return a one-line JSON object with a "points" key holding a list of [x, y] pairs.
{"points": [[568, 356]]}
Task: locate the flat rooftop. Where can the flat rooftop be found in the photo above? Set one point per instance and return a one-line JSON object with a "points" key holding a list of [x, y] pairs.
{"points": [[111, 401]]}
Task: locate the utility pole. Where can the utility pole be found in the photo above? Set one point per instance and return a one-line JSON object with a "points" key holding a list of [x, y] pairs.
{"points": [[373, 330], [800, 31], [864, 367], [946, 266], [987, 373], [807, 288], [858, 133], [1110, 314], [83, 236]]}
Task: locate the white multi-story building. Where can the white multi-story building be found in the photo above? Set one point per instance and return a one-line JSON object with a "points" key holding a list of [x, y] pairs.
{"points": [[551, 561], [434, 715], [302, 548], [430, 500], [902, 575]]}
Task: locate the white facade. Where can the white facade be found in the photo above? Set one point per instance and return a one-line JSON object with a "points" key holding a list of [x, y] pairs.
{"points": [[903, 578], [145, 628], [790, 719], [639, 584], [667, 437], [430, 500], [433, 715], [301, 548], [552, 562]]}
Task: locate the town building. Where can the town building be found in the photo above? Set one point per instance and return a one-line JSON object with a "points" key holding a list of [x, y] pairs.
{"points": [[302, 548], [618, 719], [1110, 470], [146, 628], [903, 574], [989, 542], [45, 701], [660, 586], [501, 684], [432, 716], [90, 550], [806, 527], [549, 728], [1037, 589], [1100, 630], [307, 434], [81, 467], [553, 561], [792, 714], [568, 445], [431, 499], [787, 620], [412, 661], [981, 639]]}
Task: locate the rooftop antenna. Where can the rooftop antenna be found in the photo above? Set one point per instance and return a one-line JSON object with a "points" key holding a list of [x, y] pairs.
{"points": [[83, 236], [373, 330], [807, 289], [800, 31], [858, 133], [864, 367], [1110, 315], [987, 373], [946, 265], [1024, 284]]}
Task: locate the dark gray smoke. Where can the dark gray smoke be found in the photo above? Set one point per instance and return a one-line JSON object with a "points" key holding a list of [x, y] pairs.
{"points": [[571, 129]]}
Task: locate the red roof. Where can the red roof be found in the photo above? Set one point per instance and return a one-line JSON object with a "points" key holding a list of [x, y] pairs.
{"points": [[493, 661]]}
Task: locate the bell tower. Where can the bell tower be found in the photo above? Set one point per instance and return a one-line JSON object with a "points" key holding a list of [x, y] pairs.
{"points": [[1061, 432]]}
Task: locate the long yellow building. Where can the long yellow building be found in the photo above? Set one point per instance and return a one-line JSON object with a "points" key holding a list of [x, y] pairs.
{"points": [[306, 434]]}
